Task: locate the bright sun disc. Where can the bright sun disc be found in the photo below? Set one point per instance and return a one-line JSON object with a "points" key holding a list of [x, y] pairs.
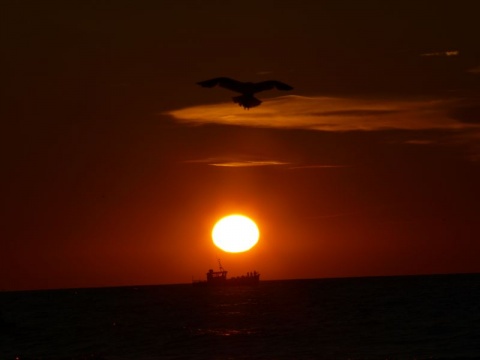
{"points": [[235, 233]]}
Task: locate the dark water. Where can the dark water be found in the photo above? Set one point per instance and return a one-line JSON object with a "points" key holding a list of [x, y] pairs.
{"points": [[424, 317]]}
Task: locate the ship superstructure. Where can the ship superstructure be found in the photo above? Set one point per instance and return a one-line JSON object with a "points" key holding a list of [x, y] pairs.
{"points": [[219, 278]]}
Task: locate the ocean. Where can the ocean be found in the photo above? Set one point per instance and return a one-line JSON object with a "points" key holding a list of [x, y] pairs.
{"points": [[409, 317]]}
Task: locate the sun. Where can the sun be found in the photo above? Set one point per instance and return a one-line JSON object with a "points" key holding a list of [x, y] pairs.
{"points": [[235, 233]]}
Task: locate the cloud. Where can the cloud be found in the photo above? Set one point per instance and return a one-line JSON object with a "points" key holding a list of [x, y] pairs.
{"points": [[254, 161], [355, 113], [430, 121], [248, 163], [443, 53], [335, 114], [237, 162]]}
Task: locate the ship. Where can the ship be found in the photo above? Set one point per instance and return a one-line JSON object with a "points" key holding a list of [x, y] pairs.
{"points": [[219, 278]]}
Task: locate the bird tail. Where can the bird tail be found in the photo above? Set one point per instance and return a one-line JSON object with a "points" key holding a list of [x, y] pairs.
{"points": [[246, 101]]}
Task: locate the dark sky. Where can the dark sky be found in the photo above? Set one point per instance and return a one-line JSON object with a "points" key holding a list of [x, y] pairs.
{"points": [[116, 165]]}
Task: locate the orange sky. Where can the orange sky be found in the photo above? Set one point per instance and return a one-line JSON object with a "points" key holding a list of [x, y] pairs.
{"points": [[117, 165]]}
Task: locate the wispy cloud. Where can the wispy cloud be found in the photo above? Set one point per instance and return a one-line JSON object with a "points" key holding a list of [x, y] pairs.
{"points": [[248, 163], [448, 122], [237, 162], [332, 114], [443, 53], [244, 161]]}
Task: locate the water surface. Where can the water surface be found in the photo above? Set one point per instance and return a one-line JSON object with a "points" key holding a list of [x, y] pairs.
{"points": [[416, 317]]}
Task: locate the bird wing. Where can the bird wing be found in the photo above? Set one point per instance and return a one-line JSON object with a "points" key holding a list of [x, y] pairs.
{"points": [[271, 84], [224, 82]]}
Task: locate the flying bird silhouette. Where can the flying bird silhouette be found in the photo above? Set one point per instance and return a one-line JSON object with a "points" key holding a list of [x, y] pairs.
{"points": [[247, 89]]}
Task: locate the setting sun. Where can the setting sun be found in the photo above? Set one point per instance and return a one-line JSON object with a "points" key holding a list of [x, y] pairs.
{"points": [[235, 233]]}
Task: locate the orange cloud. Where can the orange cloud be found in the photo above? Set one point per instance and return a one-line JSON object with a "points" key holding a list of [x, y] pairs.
{"points": [[443, 53], [237, 162], [330, 114], [248, 163]]}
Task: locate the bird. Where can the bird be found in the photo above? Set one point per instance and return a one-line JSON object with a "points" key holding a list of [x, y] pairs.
{"points": [[247, 89]]}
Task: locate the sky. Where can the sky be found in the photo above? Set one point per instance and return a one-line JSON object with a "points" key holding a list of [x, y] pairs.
{"points": [[116, 164]]}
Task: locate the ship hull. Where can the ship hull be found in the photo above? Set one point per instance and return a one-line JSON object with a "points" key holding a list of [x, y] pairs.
{"points": [[237, 281]]}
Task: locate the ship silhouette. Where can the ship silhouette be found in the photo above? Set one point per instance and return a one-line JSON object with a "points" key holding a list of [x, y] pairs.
{"points": [[219, 278]]}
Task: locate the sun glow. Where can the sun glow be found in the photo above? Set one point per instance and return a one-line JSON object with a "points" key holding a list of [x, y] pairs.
{"points": [[235, 233]]}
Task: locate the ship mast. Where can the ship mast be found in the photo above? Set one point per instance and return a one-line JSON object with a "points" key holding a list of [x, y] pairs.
{"points": [[220, 265]]}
